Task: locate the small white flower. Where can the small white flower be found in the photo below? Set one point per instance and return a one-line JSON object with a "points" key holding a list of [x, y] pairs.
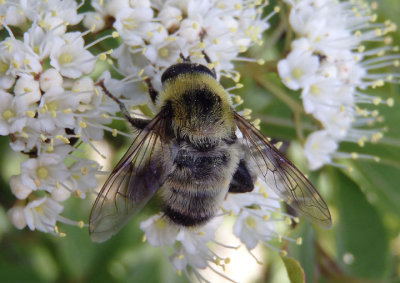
{"points": [[165, 54], [94, 21], [190, 29], [20, 190], [302, 44], [336, 120], [71, 58], [110, 7], [64, 9], [41, 214], [55, 110], [158, 232], [141, 4], [298, 69], [14, 17], [50, 78], [128, 23], [252, 227], [16, 216], [27, 91], [91, 127], [41, 42], [326, 92], [6, 81], [192, 239], [44, 172], [90, 124], [318, 149], [135, 92], [27, 135], [181, 259], [53, 24], [235, 202], [170, 17], [60, 193], [12, 114], [83, 176], [16, 58]]}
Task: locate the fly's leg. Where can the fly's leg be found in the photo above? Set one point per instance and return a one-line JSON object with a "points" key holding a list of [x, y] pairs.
{"points": [[152, 92], [208, 60], [138, 123]]}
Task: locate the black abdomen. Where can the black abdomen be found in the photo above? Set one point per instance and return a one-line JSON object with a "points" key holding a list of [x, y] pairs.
{"points": [[197, 185], [196, 212]]}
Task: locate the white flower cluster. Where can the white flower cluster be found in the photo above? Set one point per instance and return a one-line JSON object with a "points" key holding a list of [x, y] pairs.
{"points": [[48, 106], [154, 33], [192, 250], [331, 65]]}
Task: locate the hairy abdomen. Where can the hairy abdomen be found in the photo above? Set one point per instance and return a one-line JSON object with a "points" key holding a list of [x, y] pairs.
{"points": [[198, 183]]}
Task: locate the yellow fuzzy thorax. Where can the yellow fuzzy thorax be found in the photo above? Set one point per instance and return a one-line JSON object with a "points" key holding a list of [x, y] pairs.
{"points": [[195, 116], [175, 87]]}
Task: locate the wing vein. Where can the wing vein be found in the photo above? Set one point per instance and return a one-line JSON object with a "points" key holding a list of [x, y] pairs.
{"points": [[281, 175]]}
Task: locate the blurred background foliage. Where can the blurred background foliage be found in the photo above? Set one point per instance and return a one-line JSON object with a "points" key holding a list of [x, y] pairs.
{"points": [[362, 246]]}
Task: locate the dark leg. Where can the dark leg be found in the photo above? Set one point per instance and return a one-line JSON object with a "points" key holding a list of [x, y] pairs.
{"points": [[208, 60], [136, 122], [202, 34], [242, 181], [152, 92], [185, 59]]}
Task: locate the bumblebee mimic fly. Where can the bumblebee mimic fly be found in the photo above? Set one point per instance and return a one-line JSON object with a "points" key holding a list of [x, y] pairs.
{"points": [[194, 152]]}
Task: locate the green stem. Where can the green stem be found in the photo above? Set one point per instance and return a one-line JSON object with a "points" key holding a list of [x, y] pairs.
{"points": [[298, 126], [276, 35], [268, 66], [258, 76], [257, 73], [284, 16], [283, 122]]}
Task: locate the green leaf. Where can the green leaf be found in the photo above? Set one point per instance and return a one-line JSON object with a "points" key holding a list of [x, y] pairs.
{"points": [[361, 238], [305, 252], [380, 183], [294, 270]]}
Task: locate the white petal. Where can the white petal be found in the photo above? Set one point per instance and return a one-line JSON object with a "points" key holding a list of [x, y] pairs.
{"points": [[18, 188], [16, 216]]}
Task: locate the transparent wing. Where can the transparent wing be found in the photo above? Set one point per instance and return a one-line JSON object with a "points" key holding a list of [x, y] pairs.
{"points": [[282, 176], [132, 183]]}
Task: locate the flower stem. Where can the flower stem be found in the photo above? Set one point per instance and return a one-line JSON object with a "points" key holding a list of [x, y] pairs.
{"points": [[257, 75]]}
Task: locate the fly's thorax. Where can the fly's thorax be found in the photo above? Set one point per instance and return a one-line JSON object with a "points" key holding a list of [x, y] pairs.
{"points": [[199, 106]]}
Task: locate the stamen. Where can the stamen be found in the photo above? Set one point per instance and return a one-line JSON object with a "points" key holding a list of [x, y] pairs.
{"points": [[226, 246]]}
